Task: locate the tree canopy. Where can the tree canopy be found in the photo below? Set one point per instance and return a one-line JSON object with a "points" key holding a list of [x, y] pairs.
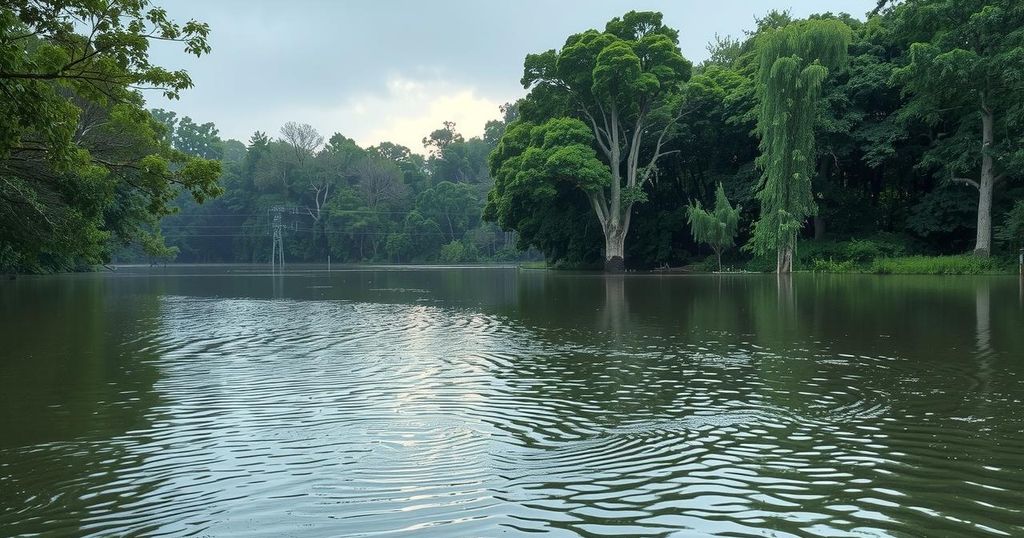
{"points": [[83, 166], [624, 84], [806, 140]]}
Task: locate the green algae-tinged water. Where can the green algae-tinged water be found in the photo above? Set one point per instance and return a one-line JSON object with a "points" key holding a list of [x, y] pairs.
{"points": [[217, 401]]}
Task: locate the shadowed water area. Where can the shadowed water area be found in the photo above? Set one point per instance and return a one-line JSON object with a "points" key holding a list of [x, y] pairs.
{"points": [[217, 401]]}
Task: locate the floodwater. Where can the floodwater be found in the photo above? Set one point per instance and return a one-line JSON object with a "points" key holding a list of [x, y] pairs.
{"points": [[216, 401]]}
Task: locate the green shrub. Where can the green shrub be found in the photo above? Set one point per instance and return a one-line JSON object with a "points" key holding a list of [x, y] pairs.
{"points": [[1011, 232], [506, 255], [848, 256], [865, 250], [832, 266], [760, 264], [456, 252], [936, 265]]}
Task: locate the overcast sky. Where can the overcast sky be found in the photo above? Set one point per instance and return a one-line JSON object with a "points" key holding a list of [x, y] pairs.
{"points": [[393, 70]]}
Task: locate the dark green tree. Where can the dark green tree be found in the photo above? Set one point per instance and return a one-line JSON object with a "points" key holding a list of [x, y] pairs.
{"points": [[965, 73], [625, 84]]}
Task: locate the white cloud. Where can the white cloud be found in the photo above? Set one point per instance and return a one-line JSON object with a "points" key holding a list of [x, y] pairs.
{"points": [[404, 112]]}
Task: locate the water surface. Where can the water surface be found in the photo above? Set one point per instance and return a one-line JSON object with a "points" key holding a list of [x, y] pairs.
{"points": [[217, 401]]}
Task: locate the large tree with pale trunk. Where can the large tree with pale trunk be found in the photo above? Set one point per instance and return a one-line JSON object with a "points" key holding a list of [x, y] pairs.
{"points": [[965, 77], [625, 84]]}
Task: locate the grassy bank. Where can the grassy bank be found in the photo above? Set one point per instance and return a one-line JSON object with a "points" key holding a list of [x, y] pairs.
{"points": [[918, 265], [939, 265], [885, 255]]}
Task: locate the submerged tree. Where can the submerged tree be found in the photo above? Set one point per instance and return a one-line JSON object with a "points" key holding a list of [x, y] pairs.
{"points": [[964, 76], [792, 63], [624, 83], [716, 228]]}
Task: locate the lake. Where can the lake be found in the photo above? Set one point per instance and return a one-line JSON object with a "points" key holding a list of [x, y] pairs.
{"points": [[226, 400]]}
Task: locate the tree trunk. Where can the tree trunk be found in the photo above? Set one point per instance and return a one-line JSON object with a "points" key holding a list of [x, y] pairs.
{"points": [[718, 255], [784, 261], [983, 243], [819, 228], [614, 248]]}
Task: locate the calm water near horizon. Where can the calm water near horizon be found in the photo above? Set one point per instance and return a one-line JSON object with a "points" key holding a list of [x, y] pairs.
{"points": [[225, 400]]}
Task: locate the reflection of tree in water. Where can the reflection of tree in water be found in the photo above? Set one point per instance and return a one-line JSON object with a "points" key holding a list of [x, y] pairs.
{"points": [[984, 355], [614, 316], [78, 375], [983, 315]]}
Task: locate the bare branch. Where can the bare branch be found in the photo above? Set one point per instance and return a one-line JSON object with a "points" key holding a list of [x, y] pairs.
{"points": [[964, 180]]}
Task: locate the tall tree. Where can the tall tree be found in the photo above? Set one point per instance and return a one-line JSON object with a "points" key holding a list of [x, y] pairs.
{"points": [[965, 73], [625, 84], [792, 63]]}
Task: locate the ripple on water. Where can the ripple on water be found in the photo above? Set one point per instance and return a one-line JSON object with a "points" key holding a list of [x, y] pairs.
{"points": [[288, 417]]}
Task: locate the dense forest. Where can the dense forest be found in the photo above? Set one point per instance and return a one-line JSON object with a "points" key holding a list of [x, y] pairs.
{"points": [[823, 143], [384, 203]]}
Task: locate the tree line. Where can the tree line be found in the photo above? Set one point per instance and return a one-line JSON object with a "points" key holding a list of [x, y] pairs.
{"points": [[807, 140], [383, 203], [899, 134]]}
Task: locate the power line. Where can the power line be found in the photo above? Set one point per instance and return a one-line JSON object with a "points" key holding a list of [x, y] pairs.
{"points": [[331, 213], [267, 234]]}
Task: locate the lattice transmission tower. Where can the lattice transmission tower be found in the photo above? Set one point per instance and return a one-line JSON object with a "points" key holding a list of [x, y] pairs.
{"points": [[278, 227]]}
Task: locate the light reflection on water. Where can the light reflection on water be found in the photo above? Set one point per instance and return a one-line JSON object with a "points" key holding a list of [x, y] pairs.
{"points": [[222, 401]]}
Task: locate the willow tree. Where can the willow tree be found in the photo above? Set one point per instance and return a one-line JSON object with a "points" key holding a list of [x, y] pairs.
{"points": [[717, 228], [624, 83], [792, 63]]}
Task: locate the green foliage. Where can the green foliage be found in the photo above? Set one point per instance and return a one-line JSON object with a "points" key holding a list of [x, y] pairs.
{"points": [[715, 228], [793, 61], [532, 167], [1012, 230], [457, 252], [455, 205], [378, 204], [963, 79], [617, 125], [937, 265], [833, 266], [846, 256], [625, 86], [83, 167], [941, 211]]}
